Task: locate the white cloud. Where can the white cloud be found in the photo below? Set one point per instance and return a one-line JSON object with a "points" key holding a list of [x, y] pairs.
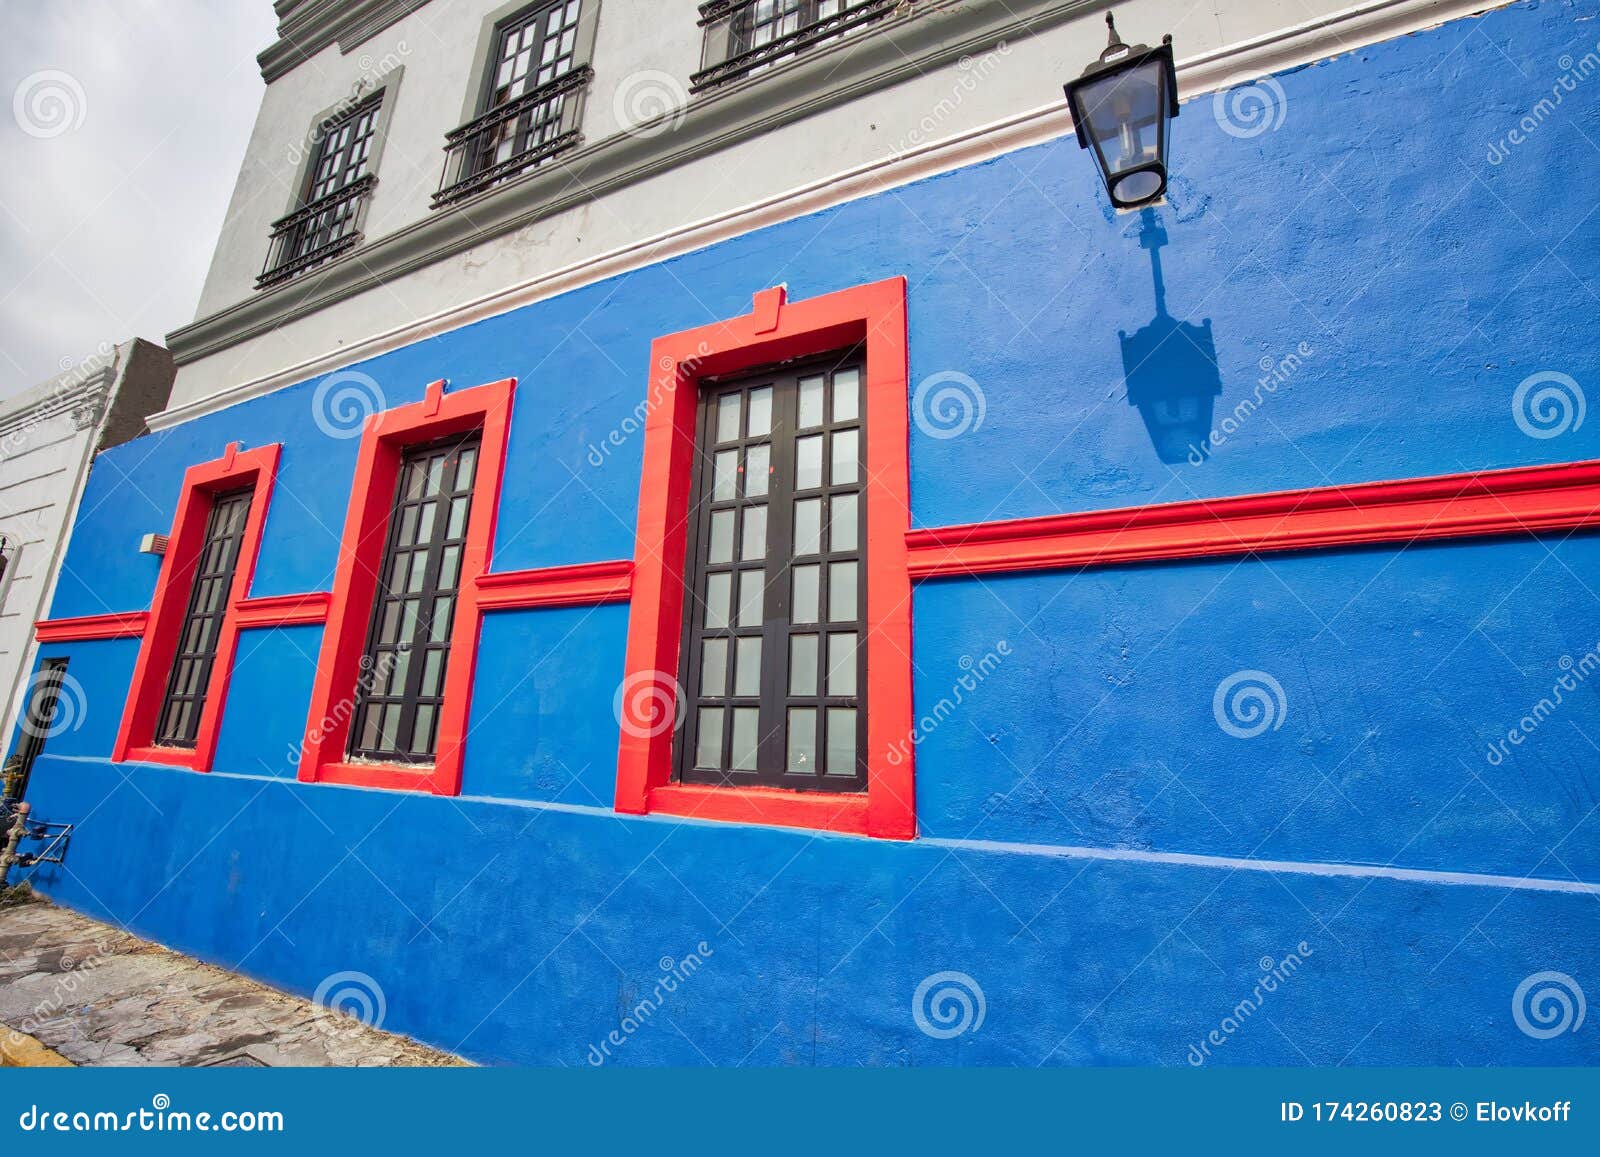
{"points": [[107, 228]]}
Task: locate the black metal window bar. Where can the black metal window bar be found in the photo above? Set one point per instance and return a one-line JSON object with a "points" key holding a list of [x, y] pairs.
{"points": [[208, 600], [327, 223], [743, 37], [774, 666], [529, 107], [408, 645]]}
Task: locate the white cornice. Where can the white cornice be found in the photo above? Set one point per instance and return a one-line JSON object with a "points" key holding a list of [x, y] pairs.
{"points": [[1291, 47]]}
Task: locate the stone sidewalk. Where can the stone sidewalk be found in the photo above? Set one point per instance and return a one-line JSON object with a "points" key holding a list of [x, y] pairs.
{"points": [[99, 996]]}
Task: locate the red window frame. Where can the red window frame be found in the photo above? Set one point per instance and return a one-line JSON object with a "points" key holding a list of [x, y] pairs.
{"points": [[775, 330], [235, 470], [384, 440]]}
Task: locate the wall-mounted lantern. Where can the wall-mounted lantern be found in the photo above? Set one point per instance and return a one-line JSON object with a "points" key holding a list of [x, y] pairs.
{"points": [[1122, 107]]}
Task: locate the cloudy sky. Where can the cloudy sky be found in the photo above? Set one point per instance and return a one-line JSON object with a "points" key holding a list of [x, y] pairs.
{"points": [[123, 129]]}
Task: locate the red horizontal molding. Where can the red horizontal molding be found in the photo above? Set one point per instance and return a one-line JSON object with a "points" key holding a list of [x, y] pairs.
{"points": [[817, 810], [1523, 500], [557, 586], [120, 625], [283, 610]]}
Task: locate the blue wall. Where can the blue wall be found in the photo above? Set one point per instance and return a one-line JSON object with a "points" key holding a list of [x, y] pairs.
{"points": [[520, 922]]}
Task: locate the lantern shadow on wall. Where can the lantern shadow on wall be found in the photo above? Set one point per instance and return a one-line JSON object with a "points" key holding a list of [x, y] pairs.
{"points": [[1170, 367]]}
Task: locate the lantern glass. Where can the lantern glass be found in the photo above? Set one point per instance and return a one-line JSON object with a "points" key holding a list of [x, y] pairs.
{"points": [[1123, 113]]}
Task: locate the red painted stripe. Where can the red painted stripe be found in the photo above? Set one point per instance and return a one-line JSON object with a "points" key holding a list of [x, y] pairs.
{"points": [[283, 610], [1523, 500], [819, 811], [119, 625], [583, 584]]}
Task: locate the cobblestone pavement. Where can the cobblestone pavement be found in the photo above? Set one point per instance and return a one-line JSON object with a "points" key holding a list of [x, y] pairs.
{"points": [[99, 996]]}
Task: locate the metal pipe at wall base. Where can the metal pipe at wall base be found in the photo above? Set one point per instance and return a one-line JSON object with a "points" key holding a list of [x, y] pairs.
{"points": [[19, 825]]}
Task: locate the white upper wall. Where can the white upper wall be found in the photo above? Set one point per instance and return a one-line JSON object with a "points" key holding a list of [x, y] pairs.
{"points": [[648, 47]]}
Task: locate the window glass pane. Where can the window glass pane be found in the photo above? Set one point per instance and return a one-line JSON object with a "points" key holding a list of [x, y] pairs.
{"points": [[810, 403], [719, 592], [450, 566], [842, 592], [751, 589], [760, 412], [439, 622], [422, 730], [845, 457], [757, 466], [842, 663], [714, 667], [754, 543], [808, 463], [425, 522], [803, 665], [846, 395], [803, 607], [708, 740], [728, 417], [458, 517], [842, 523], [744, 738], [399, 667], [808, 526], [419, 571], [721, 548], [727, 475], [464, 467], [841, 740], [747, 676], [803, 739]]}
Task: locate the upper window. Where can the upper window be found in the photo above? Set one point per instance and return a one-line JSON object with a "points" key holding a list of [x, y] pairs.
{"points": [[327, 220], [530, 101], [408, 643], [202, 623], [744, 37], [773, 666]]}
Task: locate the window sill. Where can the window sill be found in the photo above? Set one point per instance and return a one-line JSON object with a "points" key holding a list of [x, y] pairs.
{"points": [[389, 776], [184, 757], [770, 806]]}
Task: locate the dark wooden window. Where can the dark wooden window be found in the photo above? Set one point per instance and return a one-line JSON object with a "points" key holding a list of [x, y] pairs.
{"points": [[408, 644], [327, 221], [528, 109], [208, 600], [774, 666]]}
